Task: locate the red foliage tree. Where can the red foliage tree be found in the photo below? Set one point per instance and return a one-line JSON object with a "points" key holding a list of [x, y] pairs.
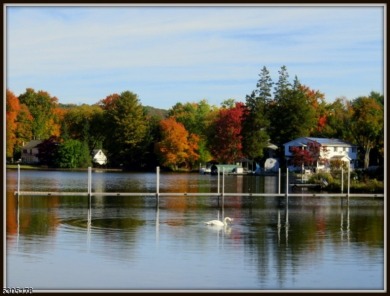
{"points": [[226, 145], [307, 156]]}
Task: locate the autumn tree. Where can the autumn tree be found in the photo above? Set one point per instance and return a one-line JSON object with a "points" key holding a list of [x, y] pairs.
{"points": [[177, 147], [196, 118], [12, 110], [18, 125], [307, 156], [42, 107], [226, 144], [367, 124], [48, 151], [316, 100], [337, 120]]}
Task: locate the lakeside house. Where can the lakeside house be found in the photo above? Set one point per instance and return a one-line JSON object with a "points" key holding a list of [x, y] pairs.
{"points": [[330, 149], [30, 152]]}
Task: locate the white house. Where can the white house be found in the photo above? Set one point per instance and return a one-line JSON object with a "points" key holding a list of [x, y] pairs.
{"points": [[30, 152], [331, 149], [99, 157]]}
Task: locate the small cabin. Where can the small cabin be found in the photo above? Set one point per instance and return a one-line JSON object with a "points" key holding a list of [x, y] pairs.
{"points": [[30, 152]]}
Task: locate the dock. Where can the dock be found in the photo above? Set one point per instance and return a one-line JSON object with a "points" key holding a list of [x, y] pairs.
{"points": [[220, 193]]}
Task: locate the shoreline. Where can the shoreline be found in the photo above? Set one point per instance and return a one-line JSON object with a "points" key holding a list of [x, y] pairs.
{"points": [[41, 168]]}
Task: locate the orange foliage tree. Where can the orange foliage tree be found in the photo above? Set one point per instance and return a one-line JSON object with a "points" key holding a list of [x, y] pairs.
{"points": [[177, 147], [12, 110]]}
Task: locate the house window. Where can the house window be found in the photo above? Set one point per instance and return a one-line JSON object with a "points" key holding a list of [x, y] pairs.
{"points": [[335, 149]]}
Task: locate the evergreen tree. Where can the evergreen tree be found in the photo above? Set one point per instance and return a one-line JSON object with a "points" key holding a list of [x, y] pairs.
{"points": [[293, 116], [283, 85], [256, 123]]}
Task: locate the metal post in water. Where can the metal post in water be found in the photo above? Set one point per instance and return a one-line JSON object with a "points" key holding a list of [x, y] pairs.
{"points": [[286, 187], [342, 180], [349, 180], [218, 180], [279, 183], [18, 180], [158, 183], [89, 180], [223, 181], [286, 181]]}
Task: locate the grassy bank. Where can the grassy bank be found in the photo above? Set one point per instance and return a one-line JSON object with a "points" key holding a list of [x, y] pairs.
{"points": [[365, 185]]}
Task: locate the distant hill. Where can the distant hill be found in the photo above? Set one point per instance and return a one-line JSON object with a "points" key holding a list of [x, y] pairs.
{"points": [[152, 111], [156, 112]]}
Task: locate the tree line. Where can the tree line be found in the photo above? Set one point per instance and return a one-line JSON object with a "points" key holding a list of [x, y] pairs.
{"points": [[141, 137]]}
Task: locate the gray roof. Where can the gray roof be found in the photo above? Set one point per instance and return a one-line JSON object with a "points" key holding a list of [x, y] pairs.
{"points": [[32, 144], [324, 141]]}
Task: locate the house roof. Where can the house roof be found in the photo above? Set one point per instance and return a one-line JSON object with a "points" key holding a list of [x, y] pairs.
{"points": [[321, 141], [32, 144], [95, 151]]}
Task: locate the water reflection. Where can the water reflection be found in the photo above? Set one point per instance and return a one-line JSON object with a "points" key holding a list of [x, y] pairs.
{"points": [[273, 244], [346, 232]]}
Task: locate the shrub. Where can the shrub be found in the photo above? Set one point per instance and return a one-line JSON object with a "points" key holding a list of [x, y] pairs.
{"points": [[319, 177]]}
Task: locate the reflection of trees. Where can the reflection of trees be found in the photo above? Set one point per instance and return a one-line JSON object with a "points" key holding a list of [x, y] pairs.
{"points": [[11, 213], [36, 215], [287, 240]]}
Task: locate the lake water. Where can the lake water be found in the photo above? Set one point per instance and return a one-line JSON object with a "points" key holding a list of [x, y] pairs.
{"points": [[133, 243]]}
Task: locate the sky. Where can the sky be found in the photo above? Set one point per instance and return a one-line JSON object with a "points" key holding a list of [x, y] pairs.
{"points": [[168, 54]]}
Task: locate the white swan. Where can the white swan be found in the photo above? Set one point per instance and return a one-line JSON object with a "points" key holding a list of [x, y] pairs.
{"points": [[219, 223]]}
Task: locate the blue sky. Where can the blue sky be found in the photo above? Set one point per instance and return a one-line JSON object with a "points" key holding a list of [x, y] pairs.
{"points": [[170, 54]]}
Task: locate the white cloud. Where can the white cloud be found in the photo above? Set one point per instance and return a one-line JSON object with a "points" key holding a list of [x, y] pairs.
{"points": [[183, 45]]}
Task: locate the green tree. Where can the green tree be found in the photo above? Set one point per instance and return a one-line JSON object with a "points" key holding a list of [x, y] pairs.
{"points": [[367, 124], [255, 120], [73, 154], [85, 123], [292, 116], [283, 85], [42, 108], [126, 127]]}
